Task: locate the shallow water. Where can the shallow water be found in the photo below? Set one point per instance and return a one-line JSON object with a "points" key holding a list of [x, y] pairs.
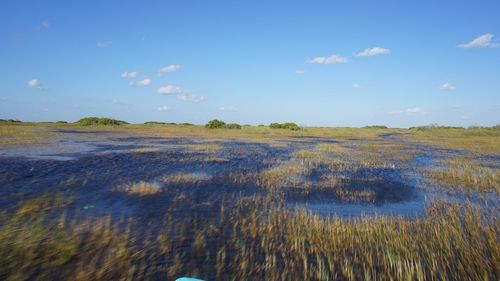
{"points": [[90, 166]]}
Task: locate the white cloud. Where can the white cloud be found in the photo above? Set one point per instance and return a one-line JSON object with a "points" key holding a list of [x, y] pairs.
{"points": [[181, 95], [356, 86], [169, 69], [163, 108], [371, 52], [333, 59], [191, 98], [142, 83], [415, 110], [228, 108], [35, 83], [103, 44], [130, 74], [169, 90], [483, 41], [447, 87], [411, 110], [299, 71]]}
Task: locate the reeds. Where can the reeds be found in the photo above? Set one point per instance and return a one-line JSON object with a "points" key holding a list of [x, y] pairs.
{"points": [[462, 173], [141, 188], [256, 240]]}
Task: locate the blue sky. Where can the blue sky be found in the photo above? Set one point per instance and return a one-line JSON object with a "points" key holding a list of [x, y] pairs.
{"points": [[317, 63]]}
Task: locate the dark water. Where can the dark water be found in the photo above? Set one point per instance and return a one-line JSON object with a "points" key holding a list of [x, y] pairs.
{"points": [[89, 169]]}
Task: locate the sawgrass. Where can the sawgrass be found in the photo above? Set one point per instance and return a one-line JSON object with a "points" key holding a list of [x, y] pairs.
{"points": [[467, 174], [482, 140], [255, 240]]}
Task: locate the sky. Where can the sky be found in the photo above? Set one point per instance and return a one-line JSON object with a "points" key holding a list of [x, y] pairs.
{"points": [[316, 63]]}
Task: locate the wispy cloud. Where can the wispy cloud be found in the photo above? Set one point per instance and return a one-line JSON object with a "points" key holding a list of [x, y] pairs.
{"points": [[333, 59], [129, 74], [169, 90], [371, 52], [35, 83], [228, 108], [103, 44], [483, 41], [192, 98], [142, 83], [411, 110], [45, 24], [356, 86], [169, 69], [415, 110], [447, 87], [300, 71], [163, 108]]}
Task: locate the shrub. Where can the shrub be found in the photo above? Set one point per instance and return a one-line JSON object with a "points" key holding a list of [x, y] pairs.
{"points": [[61, 122], [186, 124], [154, 123], [375, 127], [93, 121], [215, 124], [218, 124], [433, 127], [289, 126], [233, 126], [10, 121]]}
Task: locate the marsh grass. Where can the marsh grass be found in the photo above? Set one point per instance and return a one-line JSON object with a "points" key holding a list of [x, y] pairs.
{"points": [[215, 160], [144, 150], [305, 154], [204, 148], [331, 148], [256, 239], [282, 175], [38, 133], [42, 204], [481, 140], [461, 173], [185, 179], [24, 134], [142, 188]]}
